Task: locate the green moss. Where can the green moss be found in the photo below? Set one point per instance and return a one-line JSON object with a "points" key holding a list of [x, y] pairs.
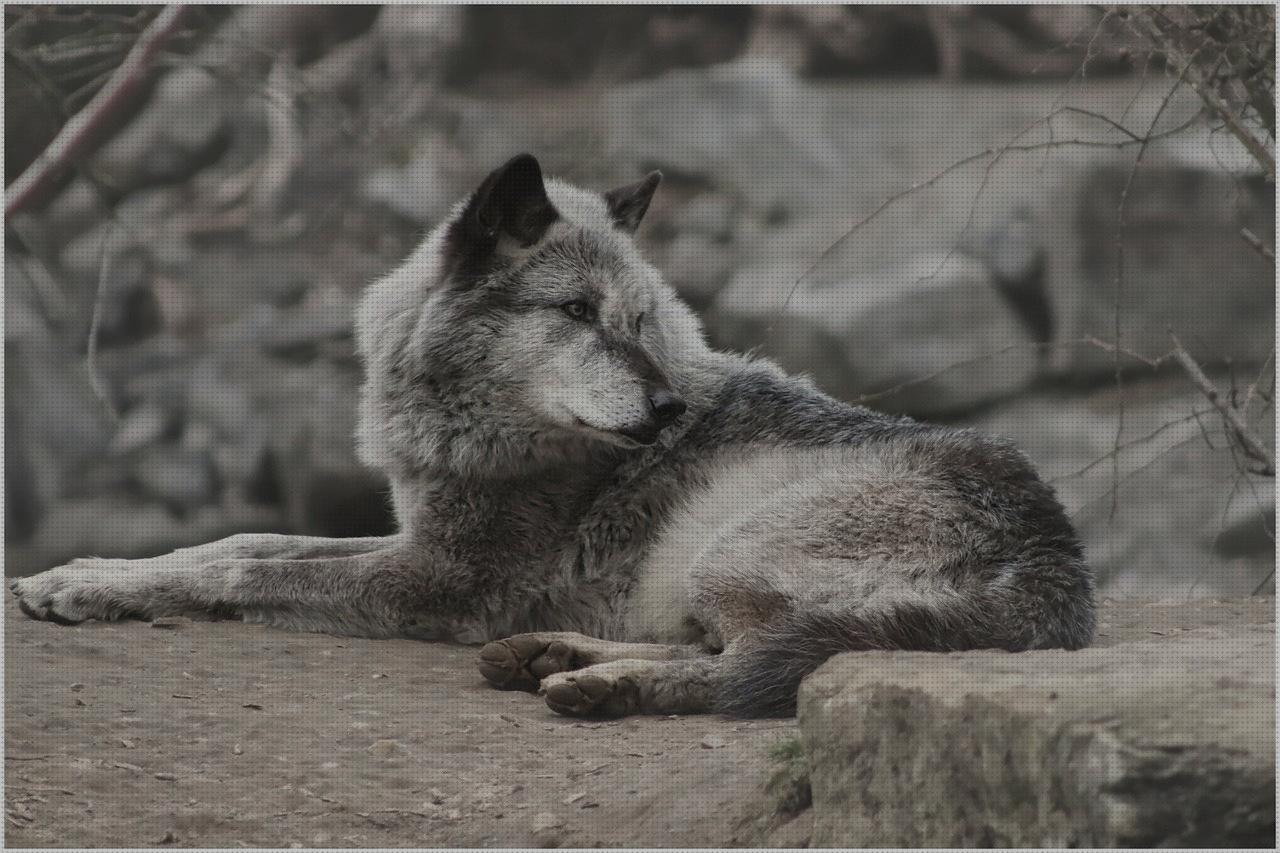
{"points": [[788, 786]]}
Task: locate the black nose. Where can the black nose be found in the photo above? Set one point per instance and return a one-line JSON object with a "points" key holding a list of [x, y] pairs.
{"points": [[666, 406]]}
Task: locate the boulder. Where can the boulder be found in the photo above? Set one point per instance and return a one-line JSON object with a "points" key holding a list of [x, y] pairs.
{"points": [[1174, 516], [1162, 741], [729, 125], [934, 328], [1171, 257]]}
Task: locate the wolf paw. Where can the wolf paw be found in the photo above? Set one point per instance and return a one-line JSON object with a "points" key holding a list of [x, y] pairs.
{"points": [[522, 661], [588, 694], [69, 594], [87, 589]]}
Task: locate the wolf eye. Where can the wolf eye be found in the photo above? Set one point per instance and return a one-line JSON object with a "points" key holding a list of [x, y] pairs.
{"points": [[639, 320], [579, 310]]}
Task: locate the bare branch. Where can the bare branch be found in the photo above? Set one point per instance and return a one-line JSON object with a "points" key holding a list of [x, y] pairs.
{"points": [[1223, 110], [89, 128], [1258, 246], [1252, 447]]}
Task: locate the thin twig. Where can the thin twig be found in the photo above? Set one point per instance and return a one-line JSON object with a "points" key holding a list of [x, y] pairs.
{"points": [[1116, 450], [1115, 487], [1258, 246], [106, 256], [1251, 446], [1032, 346]]}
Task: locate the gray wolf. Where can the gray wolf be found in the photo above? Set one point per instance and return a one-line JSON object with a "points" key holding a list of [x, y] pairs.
{"points": [[632, 521]]}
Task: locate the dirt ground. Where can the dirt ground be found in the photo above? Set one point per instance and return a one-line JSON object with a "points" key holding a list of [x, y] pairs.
{"points": [[224, 734]]}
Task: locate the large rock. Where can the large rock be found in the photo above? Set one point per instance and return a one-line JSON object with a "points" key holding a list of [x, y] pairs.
{"points": [[1163, 741], [750, 124], [1170, 257], [1161, 506], [934, 328]]}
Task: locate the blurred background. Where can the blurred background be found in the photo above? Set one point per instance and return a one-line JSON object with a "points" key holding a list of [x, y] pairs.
{"points": [[992, 216]]}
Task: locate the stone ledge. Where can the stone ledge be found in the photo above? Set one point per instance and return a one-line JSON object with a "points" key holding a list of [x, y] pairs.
{"points": [[1167, 740]]}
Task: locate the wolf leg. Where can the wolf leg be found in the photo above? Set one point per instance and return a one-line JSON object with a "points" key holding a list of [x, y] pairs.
{"points": [[622, 687], [376, 593], [522, 661]]}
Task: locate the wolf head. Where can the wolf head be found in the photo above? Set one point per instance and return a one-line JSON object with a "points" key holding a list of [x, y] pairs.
{"points": [[526, 327]]}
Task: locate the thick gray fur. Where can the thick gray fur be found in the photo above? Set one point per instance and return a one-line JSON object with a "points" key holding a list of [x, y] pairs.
{"points": [[523, 369]]}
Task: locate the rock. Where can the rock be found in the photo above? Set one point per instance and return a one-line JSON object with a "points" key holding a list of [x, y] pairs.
{"points": [[708, 214], [170, 623], [424, 186], [1164, 742], [685, 121], [214, 397], [546, 820], [419, 40], [1184, 521], [177, 476], [697, 266], [936, 318], [82, 255], [141, 425], [74, 209], [388, 749], [1186, 267], [1247, 528], [326, 314]]}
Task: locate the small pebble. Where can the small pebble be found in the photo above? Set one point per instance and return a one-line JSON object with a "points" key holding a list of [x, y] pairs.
{"points": [[387, 749]]}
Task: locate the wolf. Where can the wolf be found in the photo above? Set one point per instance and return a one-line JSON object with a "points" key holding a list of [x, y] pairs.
{"points": [[629, 520]]}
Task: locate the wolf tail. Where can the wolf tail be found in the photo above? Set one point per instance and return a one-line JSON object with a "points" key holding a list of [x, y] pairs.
{"points": [[762, 678]]}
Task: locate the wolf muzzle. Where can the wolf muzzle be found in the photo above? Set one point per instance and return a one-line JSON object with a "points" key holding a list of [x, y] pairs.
{"points": [[664, 409]]}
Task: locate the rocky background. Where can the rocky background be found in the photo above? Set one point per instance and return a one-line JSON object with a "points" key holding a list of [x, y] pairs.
{"points": [[954, 213]]}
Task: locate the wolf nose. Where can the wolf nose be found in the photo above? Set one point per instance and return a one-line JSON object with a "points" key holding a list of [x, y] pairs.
{"points": [[666, 406]]}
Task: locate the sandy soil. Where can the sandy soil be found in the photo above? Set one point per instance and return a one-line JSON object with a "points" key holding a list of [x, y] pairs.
{"points": [[224, 734]]}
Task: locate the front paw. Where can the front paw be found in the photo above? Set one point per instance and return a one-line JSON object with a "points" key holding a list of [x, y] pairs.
{"points": [[522, 661], [598, 691], [80, 590]]}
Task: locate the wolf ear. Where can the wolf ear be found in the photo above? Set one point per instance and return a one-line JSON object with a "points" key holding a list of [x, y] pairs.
{"points": [[512, 201], [627, 205]]}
